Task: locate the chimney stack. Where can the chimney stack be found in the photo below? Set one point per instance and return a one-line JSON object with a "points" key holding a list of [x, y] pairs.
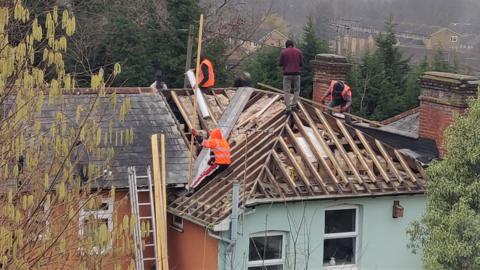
{"points": [[443, 94], [327, 67]]}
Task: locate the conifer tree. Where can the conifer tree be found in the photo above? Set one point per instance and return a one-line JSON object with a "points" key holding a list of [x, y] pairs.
{"points": [[311, 45]]}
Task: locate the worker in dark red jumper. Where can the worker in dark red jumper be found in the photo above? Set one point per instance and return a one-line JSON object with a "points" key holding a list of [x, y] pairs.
{"points": [[207, 75], [291, 61], [341, 96], [219, 159]]}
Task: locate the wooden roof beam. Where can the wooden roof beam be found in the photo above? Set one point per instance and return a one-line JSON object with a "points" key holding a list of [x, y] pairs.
{"points": [[340, 147], [284, 172], [326, 148], [295, 164], [373, 156], [305, 159]]}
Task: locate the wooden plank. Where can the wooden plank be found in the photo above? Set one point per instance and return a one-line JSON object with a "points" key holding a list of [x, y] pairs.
{"points": [[158, 200], [302, 130], [373, 156], [284, 172], [325, 147], [405, 165], [305, 160], [226, 124], [164, 205], [387, 158], [339, 146], [181, 109], [297, 167], [355, 148], [272, 180], [320, 105], [259, 113]]}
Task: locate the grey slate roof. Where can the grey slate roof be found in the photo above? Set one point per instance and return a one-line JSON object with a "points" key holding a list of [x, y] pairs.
{"points": [[148, 115]]}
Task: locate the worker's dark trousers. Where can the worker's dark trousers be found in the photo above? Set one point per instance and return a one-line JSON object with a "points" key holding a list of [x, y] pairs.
{"points": [[209, 174], [340, 102]]}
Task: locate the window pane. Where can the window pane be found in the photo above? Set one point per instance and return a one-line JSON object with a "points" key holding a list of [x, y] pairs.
{"points": [[339, 251], [271, 267], [340, 221], [265, 248]]}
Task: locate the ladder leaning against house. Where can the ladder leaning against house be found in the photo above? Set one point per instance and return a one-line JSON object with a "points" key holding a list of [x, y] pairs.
{"points": [[142, 215]]}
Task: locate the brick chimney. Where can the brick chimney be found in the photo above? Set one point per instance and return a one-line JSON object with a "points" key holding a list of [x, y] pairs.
{"points": [[442, 95], [327, 67]]}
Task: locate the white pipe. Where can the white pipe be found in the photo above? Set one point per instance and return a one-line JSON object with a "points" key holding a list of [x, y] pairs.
{"points": [[198, 94]]}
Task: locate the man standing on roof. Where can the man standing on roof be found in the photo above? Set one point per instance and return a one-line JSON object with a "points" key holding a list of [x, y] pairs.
{"points": [[291, 61], [207, 76], [341, 96], [219, 160]]}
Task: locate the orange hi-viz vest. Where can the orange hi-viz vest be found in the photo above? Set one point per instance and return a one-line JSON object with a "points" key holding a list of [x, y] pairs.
{"points": [[346, 90], [220, 147], [211, 75]]}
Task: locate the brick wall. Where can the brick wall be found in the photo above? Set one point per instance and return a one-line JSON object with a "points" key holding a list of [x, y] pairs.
{"points": [[442, 96], [327, 67]]}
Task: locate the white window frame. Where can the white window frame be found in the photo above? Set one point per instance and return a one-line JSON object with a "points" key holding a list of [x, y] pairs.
{"points": [[177, 225], [454, 39], [271, 262], [98, 214], [344, 235]]}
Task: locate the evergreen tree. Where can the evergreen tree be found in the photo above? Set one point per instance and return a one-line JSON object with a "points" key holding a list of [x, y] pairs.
{"points": [[449, 232], [264, 67], [311, 45], [381, 81]]}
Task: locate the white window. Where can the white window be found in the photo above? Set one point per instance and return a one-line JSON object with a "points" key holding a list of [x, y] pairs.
{"points": [[340, 237], [266, 251], [454, 39], [177, 222], [92, 219]]}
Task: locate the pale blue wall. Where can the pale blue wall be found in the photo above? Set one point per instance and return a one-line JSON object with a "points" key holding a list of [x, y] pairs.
{"points": [[382, 239]]}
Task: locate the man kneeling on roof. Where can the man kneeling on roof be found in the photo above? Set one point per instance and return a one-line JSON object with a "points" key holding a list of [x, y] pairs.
{"points": [[219, 157], [341, 96]]}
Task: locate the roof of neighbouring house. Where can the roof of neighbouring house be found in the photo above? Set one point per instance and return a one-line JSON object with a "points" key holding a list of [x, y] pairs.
{"points": [[308, 155], [148, 114]]}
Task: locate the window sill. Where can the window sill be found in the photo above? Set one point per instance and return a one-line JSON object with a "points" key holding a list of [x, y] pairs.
{"points": [[341, 267]]}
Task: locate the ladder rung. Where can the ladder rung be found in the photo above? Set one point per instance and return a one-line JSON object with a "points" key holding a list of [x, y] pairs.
{"points": [[146, 203], [146, 217], [149, 259], [143, 190], [149, 245], [142, 176]]}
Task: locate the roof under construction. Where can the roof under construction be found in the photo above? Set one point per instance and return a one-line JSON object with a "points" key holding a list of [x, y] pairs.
{"points": [[277, 157]]}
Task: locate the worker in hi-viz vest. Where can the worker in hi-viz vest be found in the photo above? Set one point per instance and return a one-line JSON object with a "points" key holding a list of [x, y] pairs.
{"points": [[206, 77], [341, 96], [220, 157]]}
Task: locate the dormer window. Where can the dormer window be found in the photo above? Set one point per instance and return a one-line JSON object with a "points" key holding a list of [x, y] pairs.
{"points": [[454, 39]]}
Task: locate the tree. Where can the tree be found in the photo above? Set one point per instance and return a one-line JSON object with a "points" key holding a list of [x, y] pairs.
{"points": [[449, 231], [382, 78], [440, 63], [45, 178], [264, 67], [311, 45]]}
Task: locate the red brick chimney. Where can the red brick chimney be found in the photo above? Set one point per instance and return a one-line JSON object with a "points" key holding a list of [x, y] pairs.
{"points": [[327, 67], [442, 95]]}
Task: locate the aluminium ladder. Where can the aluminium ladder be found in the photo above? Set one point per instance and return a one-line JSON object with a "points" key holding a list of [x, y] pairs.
{"points": [[135, 206]]}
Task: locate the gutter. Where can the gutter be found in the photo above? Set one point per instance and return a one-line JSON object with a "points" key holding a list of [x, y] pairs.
{"points": [[331, 197]]}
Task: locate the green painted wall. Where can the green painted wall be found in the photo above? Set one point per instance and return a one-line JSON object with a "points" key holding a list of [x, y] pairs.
{"points": [[382, 239]]}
